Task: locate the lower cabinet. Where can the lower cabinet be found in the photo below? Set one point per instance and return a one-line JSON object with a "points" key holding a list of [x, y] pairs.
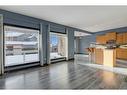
{"points": [[121, 53], [98, 56]]}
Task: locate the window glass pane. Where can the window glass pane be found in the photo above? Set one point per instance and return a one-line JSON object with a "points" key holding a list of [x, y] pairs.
{"points": [[57, 45], [21, 45]]}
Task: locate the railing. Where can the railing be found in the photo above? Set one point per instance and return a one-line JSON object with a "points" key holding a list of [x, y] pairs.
{"points": [[11, 52], [25, 56]]}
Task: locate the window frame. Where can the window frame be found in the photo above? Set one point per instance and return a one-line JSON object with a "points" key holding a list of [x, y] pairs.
{"points": [[9, 25]]}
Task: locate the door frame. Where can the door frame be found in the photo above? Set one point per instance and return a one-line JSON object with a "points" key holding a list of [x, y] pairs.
{"points": [[41, 45], [1, 46], [66, 40]]}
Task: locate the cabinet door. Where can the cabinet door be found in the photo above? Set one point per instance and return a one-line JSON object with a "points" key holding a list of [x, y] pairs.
{"points": [[101, 39], [111, 36], [119, 54], [124, 53], [119, 38], [98, 56], [124, 38]]}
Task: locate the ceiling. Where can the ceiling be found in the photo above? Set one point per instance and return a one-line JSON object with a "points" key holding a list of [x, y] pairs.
{"points": [[80, 34], [90, 18]]}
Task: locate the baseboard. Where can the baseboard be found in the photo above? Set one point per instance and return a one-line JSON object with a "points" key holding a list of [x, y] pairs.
{"points": [[82, 53], [58, 60], [71, 59], [45, 65], [17, 68]]}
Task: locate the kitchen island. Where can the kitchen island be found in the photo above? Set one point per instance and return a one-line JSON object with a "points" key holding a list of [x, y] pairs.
{"points": [[106, 57]]}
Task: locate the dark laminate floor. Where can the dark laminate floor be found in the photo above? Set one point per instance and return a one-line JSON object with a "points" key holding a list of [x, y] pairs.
{"points": [[63, 75]]}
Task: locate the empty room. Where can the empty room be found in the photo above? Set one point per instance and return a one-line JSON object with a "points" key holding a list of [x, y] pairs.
{"points": [[63, 47]]}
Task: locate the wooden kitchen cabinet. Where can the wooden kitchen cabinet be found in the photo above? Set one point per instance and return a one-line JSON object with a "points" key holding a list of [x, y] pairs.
{"points": [[111, 36], [124, 53], [119, 38], [98, 56], [101, 39], [121, 53], [124, 38]]}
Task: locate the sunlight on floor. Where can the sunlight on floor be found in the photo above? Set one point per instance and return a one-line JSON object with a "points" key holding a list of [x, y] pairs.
{"points": [[84, 60]]}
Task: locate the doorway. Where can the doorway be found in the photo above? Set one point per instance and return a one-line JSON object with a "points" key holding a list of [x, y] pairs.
{"points": [[58, 46]]}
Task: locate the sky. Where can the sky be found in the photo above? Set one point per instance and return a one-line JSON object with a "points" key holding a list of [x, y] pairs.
{"points": [[54, 39]]}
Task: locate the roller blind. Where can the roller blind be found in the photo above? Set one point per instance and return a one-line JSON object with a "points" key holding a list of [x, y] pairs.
{"points": [[57, 28]]}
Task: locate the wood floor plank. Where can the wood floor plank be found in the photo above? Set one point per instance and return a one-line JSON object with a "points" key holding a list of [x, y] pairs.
{"points": [[63, 75]]}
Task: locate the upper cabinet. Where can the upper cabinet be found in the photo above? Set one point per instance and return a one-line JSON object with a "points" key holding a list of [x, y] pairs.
{"points": [[111, 36], [119, 39], [101, 39], [124, 38]]}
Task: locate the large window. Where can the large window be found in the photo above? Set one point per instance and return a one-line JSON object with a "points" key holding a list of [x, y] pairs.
{"points": [[21, 45], [58, 45]]}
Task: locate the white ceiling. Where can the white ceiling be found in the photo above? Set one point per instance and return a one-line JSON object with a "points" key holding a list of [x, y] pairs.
{"points": [[80, 34], [90, 18]]}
